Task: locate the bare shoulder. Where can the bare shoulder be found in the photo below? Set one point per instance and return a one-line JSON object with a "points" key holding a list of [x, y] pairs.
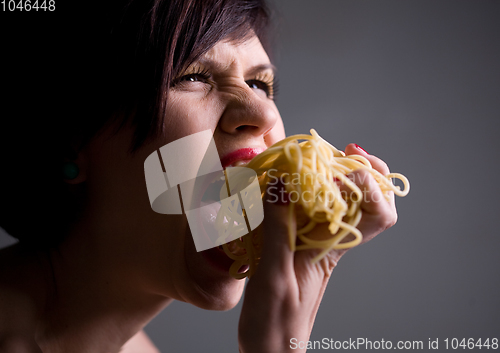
{"points": [[17, 319], [20, 273], [17, 305], [140, 343], [17, 322]]}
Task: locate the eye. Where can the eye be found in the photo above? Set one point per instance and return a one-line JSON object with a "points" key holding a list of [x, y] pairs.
{"points": [[194, 78], [195, 75], [266, 87]]}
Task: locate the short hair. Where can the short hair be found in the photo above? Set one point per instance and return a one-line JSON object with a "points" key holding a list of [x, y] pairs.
{"points": [[84, 67]]}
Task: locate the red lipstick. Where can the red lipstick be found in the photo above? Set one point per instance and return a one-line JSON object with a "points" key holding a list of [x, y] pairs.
{"points": [[243, 154]]}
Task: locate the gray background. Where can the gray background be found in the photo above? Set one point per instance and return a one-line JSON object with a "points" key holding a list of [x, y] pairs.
{"points": [[418, 84]]}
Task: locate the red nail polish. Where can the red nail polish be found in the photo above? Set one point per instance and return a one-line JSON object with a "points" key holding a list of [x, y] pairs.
{"points": [[360, 148]]}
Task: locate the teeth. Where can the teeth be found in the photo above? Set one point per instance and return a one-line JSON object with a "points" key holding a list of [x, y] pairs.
{"points": [[238, 163], [216, 179]]}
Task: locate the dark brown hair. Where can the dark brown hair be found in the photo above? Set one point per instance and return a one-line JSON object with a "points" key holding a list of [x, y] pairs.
{"points": [[83, 67]]}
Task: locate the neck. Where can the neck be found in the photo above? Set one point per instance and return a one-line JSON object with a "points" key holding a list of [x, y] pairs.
{"points": [[96, 301]]}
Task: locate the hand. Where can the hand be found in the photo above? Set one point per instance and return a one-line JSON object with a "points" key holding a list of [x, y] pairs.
{"points": [[283, 296], [378, 214]]}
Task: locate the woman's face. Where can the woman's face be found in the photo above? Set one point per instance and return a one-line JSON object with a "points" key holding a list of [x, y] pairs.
{"points": [[229, 91]]}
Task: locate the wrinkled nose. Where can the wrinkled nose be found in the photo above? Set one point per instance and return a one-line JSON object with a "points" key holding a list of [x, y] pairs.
{"points": [[249, 113]]}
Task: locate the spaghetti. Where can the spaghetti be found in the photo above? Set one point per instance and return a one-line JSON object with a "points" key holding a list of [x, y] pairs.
{"points": [[312, 171]]}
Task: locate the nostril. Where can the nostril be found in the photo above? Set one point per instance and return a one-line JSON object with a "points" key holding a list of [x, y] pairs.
{"points": [[245, 127]]}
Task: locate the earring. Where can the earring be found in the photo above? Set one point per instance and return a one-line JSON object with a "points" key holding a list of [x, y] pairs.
{"points": [[70, 170]]}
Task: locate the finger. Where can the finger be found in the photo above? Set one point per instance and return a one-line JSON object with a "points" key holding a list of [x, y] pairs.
{"points": [[373, 200], [377, 164], [278, 226], [380, 213]]}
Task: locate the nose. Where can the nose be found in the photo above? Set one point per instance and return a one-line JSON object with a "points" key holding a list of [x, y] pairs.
{"points": [[248, 113]]}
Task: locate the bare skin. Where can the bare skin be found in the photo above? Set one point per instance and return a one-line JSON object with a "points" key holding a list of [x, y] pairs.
{"points": [[298, 289], [122, 263]]}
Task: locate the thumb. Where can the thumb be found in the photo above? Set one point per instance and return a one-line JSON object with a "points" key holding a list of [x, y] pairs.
{"points": [[279, 230]]}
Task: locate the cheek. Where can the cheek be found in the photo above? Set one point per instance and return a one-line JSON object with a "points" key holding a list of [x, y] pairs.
{"points": [[111, 169], [277, 133]]}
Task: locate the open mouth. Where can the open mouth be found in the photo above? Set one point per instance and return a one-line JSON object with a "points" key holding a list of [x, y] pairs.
{"points": [[211, 223], [213, 193], [239, 163]]}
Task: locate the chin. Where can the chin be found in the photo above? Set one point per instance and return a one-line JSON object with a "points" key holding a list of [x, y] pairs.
{"points": [[210, 285], [220, 298]]}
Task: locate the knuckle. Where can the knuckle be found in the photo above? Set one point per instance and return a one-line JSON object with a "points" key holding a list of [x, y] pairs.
{"points": [[380, 165], [328, 264], [360, 177], [389, 221], [384, 167]]}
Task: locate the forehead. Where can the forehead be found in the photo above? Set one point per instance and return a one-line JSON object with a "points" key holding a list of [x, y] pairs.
{"points": [[230, 54]]}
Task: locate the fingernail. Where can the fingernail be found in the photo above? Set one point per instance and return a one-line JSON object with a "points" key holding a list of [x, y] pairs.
{"points": [[360, 148], [277, 194]]}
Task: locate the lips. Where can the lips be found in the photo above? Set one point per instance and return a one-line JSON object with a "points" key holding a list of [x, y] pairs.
{"points": [[243, 154]]}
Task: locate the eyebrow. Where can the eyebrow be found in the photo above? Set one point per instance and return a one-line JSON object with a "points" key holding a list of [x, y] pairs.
{"points": [[251, 71], [263, 67]]}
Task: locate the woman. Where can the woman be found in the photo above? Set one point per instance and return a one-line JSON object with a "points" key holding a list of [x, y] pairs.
{"points": [[95, 264]]}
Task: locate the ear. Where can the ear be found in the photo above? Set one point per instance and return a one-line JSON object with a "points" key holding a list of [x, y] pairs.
{"points": [[74, 169]]}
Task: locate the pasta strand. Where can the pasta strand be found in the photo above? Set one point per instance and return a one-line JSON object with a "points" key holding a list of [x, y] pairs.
{"points": [[310, 171]]}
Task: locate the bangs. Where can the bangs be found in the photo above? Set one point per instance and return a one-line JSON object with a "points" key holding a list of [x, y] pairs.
{"points": [[174, 35], [115, 69]]}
